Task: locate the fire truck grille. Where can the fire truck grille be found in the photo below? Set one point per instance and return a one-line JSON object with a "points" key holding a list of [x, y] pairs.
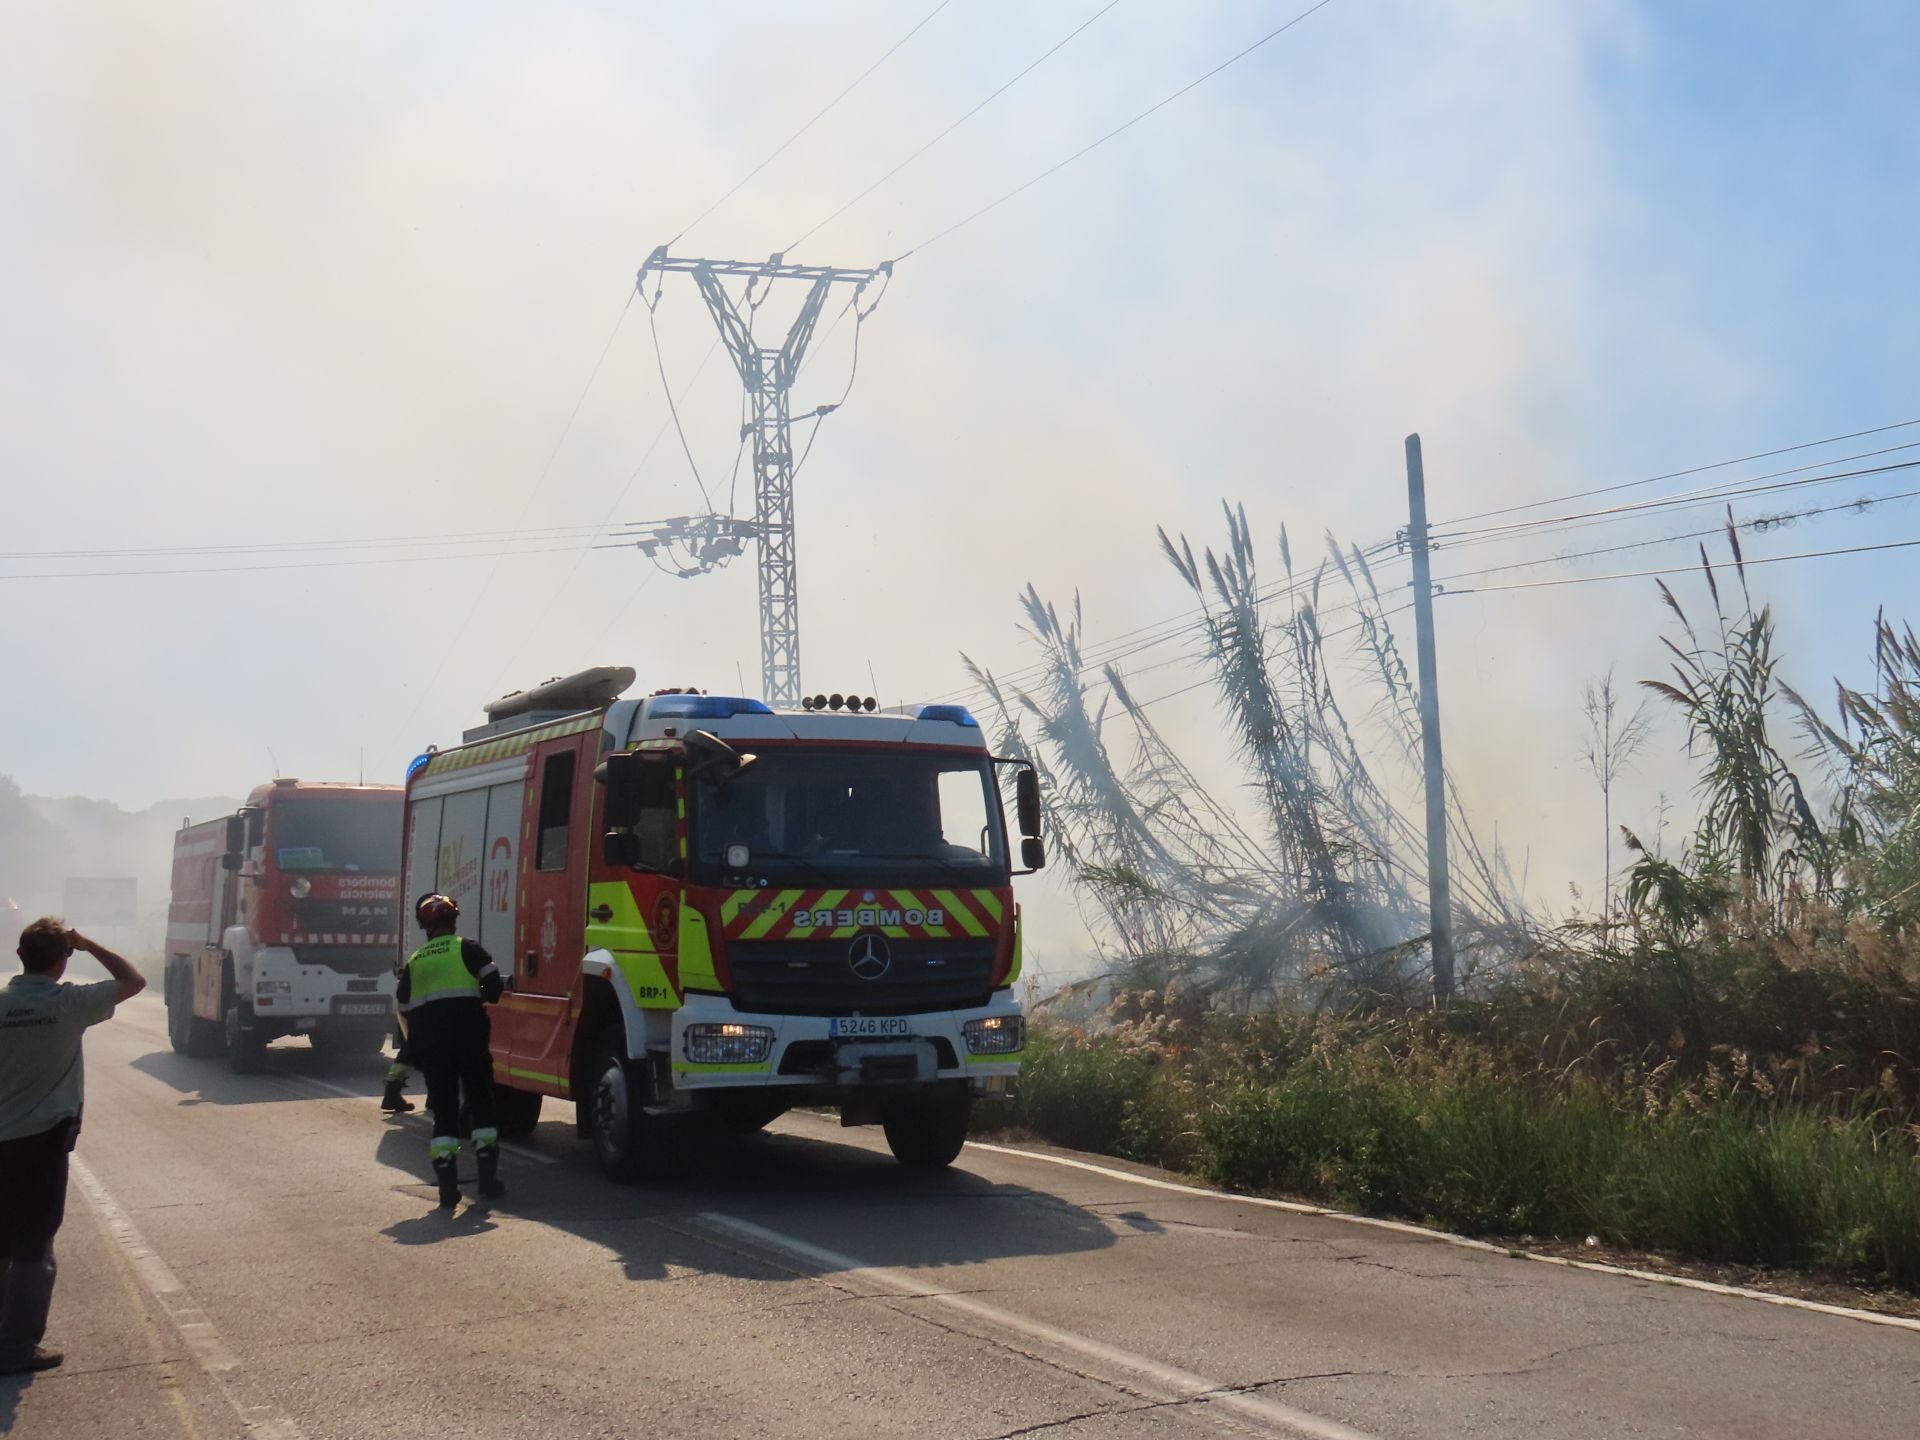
{"points": [[348, 959], [813, 977]]}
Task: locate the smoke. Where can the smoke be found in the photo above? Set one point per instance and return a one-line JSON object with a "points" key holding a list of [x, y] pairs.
{"points": [[342, 271]]}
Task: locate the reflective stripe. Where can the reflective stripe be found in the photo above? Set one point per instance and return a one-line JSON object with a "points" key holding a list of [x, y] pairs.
{"points": [[485, 1137], [397, 1071], [442, 1146]]}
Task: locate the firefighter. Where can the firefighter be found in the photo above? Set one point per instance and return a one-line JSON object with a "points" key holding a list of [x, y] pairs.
{"points": [[443, 993]]}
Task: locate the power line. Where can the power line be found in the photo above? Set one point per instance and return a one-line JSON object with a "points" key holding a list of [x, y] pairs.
{"points": [[1115, 649], [271, 547], [673, 409], [553, 595], [1677, 474], [1055, 169], [1686, 569], [1756, 523], [1686, 500], [1001, 90], [449, 646], [301, 564], [818, 115]]}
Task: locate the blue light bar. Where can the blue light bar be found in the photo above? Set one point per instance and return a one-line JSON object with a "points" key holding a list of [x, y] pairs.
{"points": [[417, 764], [703, 707], [952, 714]]}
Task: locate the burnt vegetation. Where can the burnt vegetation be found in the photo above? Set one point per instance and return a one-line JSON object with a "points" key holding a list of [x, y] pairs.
{"points": [[1720, 1062]]}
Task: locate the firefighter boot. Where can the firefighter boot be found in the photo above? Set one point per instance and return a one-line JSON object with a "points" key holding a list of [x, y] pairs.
{"points": [[446, 1169], [391, 1100], [488, 1159]]}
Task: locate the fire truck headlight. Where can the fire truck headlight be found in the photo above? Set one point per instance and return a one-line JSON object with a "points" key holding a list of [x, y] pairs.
{"points": [[995, 1035], [301, 887], [728, 1044]]}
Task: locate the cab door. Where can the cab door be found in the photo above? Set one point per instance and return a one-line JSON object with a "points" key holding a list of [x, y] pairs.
{"points": [[551, 919]]}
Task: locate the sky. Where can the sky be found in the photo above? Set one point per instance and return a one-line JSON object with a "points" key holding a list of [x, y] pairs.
{"points": [[282, 275]]}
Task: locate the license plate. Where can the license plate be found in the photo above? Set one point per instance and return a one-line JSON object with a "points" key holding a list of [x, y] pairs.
{"points": [[362, 1007], [869, 1027]]}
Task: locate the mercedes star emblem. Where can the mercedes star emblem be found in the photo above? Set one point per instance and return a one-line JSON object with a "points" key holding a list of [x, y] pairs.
{"points": [[868, 957]]}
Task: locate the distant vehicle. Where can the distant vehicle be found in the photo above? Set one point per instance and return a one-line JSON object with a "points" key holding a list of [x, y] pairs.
{"points": [[283, 921], [714, 911]]}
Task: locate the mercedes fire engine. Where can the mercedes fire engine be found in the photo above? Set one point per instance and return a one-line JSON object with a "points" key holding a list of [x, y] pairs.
{"points": [[283, 922], [712, 911]]}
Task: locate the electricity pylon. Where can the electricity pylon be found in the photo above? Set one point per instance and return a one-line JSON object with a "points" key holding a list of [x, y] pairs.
{"points": [[768, 372]]}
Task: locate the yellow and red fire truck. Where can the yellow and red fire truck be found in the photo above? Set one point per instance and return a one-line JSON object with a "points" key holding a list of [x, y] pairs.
{"points": [[713, 911], [282, 921]]}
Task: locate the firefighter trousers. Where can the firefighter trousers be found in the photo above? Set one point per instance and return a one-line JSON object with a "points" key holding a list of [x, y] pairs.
{"points": [[449, 1043]]}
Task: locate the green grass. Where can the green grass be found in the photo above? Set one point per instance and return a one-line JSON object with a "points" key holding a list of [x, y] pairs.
{"points": [[1447, 1138]]}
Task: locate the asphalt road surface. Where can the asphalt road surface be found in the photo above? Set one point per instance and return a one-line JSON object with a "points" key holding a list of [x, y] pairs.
{"points": [[261, 1256]]}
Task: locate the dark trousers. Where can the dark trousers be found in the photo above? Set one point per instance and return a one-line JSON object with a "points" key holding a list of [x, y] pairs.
{"points": [[449, 1044], [33, 1203]]}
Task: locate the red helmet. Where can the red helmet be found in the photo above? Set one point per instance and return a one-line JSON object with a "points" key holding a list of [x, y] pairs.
{"points": [[435, 910]]}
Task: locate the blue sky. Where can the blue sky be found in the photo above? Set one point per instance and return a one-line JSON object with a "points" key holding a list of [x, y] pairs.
{"points": [[341, 272]]}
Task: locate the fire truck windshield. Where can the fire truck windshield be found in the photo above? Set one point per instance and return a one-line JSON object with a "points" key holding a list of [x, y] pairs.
{"points": [[358, 833], [911, 817]]}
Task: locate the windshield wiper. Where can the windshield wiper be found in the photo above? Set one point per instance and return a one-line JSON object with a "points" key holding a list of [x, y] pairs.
{"points": [[781, 857], [950, 866]]}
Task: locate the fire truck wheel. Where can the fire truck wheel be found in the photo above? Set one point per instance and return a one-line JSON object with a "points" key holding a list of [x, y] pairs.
{"points": [[344, 1044], [179, 1011], [246, 1044], [632, 1145], [516, 1110], [927, 1132], [206, 1039]]}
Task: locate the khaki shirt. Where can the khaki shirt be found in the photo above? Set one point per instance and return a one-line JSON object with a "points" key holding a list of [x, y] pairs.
{"points": [[41, 1022]]}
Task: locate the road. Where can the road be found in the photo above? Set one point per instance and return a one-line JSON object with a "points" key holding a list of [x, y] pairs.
{"points": [[261, 1256]]}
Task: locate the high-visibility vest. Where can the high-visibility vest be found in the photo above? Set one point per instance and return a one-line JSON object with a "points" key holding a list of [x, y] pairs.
{"points": [[438, 971]]}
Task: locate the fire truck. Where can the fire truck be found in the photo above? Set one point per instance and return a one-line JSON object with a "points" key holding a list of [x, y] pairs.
{"points": [[712, 911], [282, 921]]}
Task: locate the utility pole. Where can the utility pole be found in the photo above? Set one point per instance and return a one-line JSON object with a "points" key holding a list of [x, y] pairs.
{"points": [[1439, 884], [768, 373]]}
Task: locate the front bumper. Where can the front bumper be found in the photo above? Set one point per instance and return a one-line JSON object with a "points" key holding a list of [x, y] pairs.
{"points": [[316, 992], [805, 1055]]}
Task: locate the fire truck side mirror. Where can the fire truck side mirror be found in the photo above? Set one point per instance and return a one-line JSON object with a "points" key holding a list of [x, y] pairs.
{"points": [[236, 836], [1026, 796], [620, 773], [1033, 853], [230, 860], [620, 847]]}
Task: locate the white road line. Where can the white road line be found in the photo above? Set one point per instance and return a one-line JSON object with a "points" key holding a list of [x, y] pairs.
{"points": [[524, 1152], [202, 1339], [1793, 1302], [1171, 1378]]}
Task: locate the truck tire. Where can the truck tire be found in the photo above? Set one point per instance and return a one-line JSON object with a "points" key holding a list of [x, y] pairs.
{"points": [[928, 1131], [343, 1044], [189, 1034], [518, 1111], [633, 1147], [246, 1043], [179, 1008]]}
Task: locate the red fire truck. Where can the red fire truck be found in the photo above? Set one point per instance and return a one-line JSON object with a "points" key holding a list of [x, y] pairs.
{"points": [[282, 922], [713, 910]]}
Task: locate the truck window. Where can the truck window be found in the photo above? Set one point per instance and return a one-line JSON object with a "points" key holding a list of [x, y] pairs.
{"points": [[656, 825], [556, 805], [963, 815]]}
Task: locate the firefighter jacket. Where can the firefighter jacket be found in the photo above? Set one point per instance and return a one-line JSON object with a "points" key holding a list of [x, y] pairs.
{"points": [[448, 968]]}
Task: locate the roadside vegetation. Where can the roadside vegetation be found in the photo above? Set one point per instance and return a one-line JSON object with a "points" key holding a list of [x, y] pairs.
{"points": [[1721, 1063]]}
